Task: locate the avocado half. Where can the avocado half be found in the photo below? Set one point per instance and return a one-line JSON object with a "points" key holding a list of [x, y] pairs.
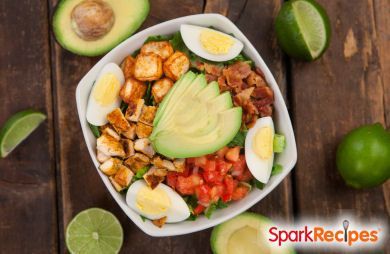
{"points": [[244, 234], [94, 27]]}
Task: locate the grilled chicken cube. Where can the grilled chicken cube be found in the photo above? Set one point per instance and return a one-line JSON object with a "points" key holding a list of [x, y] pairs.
{"points": [[179, 165], [144, 146], [160, 222], [147, 115], [111, 166], [110, 146], [137, 161], [128, 146], [160, 88], [118, 120], [101, 157], [132, 90], [166, 164], [161, 48], [128, 67], [134, 110], [148, 67], [154, 176], [142, 130], [107, 129], [130, 133], [176, 65], [123, 176], [116, 185]]}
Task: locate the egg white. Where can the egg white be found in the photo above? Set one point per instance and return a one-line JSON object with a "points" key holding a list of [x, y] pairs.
{"points": [[96, 113], [260, 169], [178, 211], [191, 38]]}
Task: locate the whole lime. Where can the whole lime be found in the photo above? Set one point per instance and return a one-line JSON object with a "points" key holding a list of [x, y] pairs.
{"points": [[363, 156], [303, 29]]}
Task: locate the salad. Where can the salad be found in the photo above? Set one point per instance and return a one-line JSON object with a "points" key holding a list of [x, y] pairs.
{"points": [[184, 126]]}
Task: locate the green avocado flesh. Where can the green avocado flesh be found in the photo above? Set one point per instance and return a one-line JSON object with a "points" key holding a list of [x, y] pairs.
{"points": [[246, 233], [194, 119], [128, 16]]}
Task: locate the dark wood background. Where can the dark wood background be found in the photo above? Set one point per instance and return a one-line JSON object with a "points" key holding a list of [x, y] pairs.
{"points": [[50, 178]]}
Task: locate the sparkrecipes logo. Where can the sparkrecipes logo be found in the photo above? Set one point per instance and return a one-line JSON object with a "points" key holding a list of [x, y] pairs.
{"points": [[345, 234]]}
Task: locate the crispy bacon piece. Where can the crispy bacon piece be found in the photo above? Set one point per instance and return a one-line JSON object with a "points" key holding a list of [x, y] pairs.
{"points": [[213, 69], [236, 72], [255, 79], [159, 222], [264, 110], [210, 78], [263, 92], [222, 84]]}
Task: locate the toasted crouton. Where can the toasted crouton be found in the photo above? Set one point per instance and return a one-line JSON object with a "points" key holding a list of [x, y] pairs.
{"points": [[116, 185], [101, 157], [147, 115], [162, 48], [111, 166], [128, 146], [118, 120], [109, 146], [176, 65], [179, 165], [128, 67], [123, 176], [142, 130], [137, 161], [148, 67], [134, 110], [160, 88], [107, 129], [144, 146], [132, 90], [160, 222], [154, 176]]}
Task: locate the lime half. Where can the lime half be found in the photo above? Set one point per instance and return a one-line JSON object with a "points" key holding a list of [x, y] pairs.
{"points": [[94, 231], [18, 128], [303, 29]]}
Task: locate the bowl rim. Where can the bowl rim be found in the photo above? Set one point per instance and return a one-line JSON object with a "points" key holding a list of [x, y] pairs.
{"points": [[287, 167]]}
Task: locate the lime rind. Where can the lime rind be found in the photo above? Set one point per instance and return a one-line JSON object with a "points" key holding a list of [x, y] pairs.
{"points": [[94, 231], [18, 128]]}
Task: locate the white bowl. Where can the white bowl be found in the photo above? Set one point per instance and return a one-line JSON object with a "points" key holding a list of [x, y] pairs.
{"points": [[281, 118]]}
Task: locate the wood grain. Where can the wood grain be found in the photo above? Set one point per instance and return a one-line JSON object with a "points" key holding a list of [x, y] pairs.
{"points": [[342, 90], [27, 176]]}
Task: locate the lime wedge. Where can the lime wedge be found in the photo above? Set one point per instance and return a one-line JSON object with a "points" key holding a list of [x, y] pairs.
{"points": [[94, 231], [303, 29], [18, 128]]}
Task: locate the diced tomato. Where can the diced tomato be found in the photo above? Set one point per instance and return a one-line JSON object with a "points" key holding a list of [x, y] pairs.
{"points": [[187, 185], [200, 161], [199, 209], [172, 179], [222, 166], [229, 188], [212, 177], [239, 167], [187, 171], [246, 175], [210, 165], [202, 192], [190, 161], [216, 192], [221, 152], [240, 192], [233, 154]]}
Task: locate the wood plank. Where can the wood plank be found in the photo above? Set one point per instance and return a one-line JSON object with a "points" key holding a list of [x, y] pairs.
{"points": [[27, 175], [342, 90], [81, 187]]}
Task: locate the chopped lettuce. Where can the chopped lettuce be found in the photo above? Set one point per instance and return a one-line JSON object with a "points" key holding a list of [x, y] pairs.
{"points": [[159, 38], [140, 173], [95, 130], [148, 97], [239, 139], [276, 169], [279, 143]]}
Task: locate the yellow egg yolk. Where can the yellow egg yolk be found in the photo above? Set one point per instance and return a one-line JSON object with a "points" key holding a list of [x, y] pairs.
{"points": [[263, 143], [152, 201], [107, 89], [215, 42]]}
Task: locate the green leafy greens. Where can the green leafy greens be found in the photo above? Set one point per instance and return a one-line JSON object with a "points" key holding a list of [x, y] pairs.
{"points": [[95, 130], [239, 139]]}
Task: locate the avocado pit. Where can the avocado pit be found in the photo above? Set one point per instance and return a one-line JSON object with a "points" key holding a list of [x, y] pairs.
{"points": [[92, 19]]}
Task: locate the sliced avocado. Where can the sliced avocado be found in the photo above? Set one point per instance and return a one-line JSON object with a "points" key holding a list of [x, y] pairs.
{"points": [[221, 102], [172, 143], [94, 27], [209, 92], [245, 234]]}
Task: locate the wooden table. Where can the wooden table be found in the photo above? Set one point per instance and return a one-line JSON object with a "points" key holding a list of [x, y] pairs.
{"points": [[50, 178]]}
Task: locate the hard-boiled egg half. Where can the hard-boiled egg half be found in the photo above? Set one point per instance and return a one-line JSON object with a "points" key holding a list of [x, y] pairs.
{"points": [[259, 154], [157, 203], [210, 44], [104, 97]]}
